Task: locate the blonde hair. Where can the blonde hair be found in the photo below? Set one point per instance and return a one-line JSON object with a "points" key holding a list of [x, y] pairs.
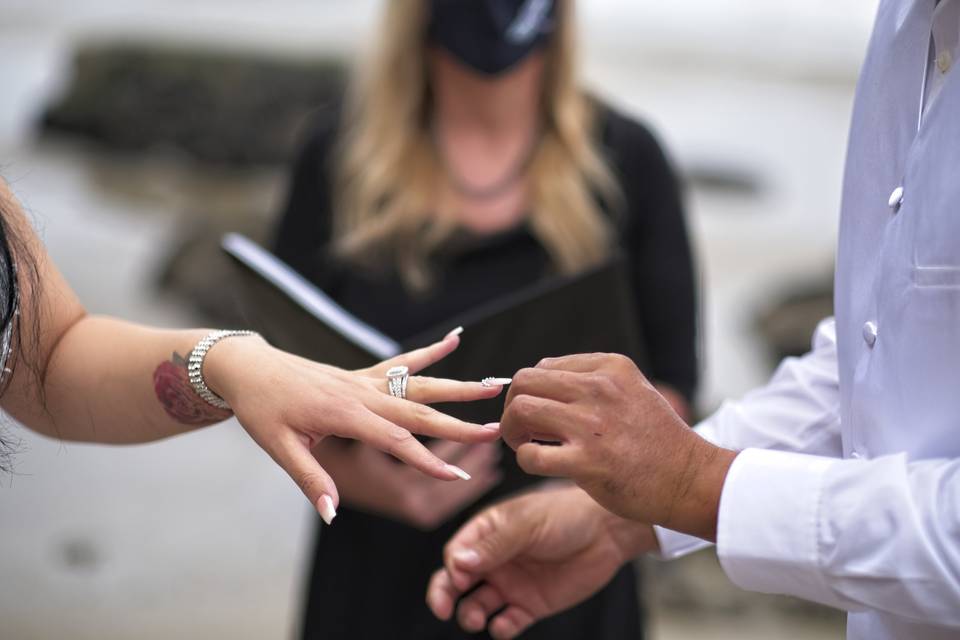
{"points": [[389, 178]]}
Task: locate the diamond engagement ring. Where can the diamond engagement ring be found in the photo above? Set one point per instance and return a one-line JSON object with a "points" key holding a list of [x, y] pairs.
{"points": [[397, 378]]}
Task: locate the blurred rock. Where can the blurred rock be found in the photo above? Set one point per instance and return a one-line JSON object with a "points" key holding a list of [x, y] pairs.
{"points": [[196, 270], [788, 324], [199, 272], [219, 107], [721, 178], [80, 554]]}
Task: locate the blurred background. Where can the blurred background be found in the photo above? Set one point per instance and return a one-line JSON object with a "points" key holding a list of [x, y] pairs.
{"points": [[135, 133]]}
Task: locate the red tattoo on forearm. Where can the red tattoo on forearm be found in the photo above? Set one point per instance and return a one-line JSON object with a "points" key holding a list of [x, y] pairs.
{"points": [[172, 386]]}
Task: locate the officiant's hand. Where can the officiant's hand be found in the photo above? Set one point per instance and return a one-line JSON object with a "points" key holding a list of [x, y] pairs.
{"points": [[611, 432], [373, 482], [288, 404]]}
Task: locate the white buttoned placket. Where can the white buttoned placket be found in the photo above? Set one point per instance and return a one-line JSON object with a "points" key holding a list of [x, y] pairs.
{"points": [[944, 48], [944, 40]]}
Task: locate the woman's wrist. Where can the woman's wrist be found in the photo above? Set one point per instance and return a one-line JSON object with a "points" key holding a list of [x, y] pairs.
{"points": [[231, 361]]}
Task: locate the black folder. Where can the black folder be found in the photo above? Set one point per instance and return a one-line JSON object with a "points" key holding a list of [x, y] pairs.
{"points": [[592, 311]]}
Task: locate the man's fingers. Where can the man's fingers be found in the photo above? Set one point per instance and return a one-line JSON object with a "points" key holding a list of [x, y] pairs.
{"points": [[484, 543], [442, 595], [431, 390], [546, 460], [294, 456], [580, 362], [512, 622], [461, 560], [473, 610], [555, 384], [529, 418]]}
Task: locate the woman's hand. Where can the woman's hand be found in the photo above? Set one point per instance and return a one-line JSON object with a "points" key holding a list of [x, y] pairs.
{"points": [[531, 557], [373, 482], [288, 404]]}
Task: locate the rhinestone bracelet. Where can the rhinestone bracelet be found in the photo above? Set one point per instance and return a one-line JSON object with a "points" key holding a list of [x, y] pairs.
{"points": [[195, 365]]}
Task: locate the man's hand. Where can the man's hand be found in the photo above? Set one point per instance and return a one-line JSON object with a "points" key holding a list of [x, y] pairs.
{"points": [[596, 419], [532, 556]]}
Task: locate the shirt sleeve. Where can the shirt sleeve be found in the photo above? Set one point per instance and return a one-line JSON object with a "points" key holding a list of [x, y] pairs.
{"points": [[852, 534], [797, 411]]}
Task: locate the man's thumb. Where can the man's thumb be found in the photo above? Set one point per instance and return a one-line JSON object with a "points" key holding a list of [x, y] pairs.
{"points": [[486, 542]]}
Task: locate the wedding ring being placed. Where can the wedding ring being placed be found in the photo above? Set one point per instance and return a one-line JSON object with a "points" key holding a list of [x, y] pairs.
{"points": [[397, 378], [496, 382]]}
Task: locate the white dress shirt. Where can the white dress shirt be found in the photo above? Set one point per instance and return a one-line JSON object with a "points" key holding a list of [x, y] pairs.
{"points": [[847, 490]]}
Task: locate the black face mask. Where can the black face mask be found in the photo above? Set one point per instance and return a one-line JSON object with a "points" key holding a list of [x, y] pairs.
{"points": [[491, 36]]}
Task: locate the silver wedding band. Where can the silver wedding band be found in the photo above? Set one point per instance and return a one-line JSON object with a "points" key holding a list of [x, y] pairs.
{"points": [[397, 378]]}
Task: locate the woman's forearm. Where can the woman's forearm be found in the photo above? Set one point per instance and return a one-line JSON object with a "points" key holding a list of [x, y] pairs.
{"points": [[82, 377], [116, 382]]}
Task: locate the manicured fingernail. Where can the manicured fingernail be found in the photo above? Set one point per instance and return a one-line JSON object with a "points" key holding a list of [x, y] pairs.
{"points": [[467, 557], [455, 332], [496, 382], [325, 506], [457, 471], [492, 426]]}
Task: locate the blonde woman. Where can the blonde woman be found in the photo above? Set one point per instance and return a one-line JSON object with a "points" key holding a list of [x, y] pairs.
{"points": [[467, 164]]}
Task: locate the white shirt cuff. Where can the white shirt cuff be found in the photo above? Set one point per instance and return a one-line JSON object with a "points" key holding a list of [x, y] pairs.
{"points": [[674, 545], [767, 531]]}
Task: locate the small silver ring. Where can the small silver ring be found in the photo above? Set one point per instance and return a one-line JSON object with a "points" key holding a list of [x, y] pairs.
{"points": [[397, 379]]}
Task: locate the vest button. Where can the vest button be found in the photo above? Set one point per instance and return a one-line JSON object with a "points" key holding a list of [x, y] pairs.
{"points": [[896, 199], [870, 333]]}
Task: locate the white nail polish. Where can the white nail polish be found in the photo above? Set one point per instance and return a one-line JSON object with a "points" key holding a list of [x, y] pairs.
{"points": [[455, 332], [496, 382], [327, 511], [457, 471]]}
